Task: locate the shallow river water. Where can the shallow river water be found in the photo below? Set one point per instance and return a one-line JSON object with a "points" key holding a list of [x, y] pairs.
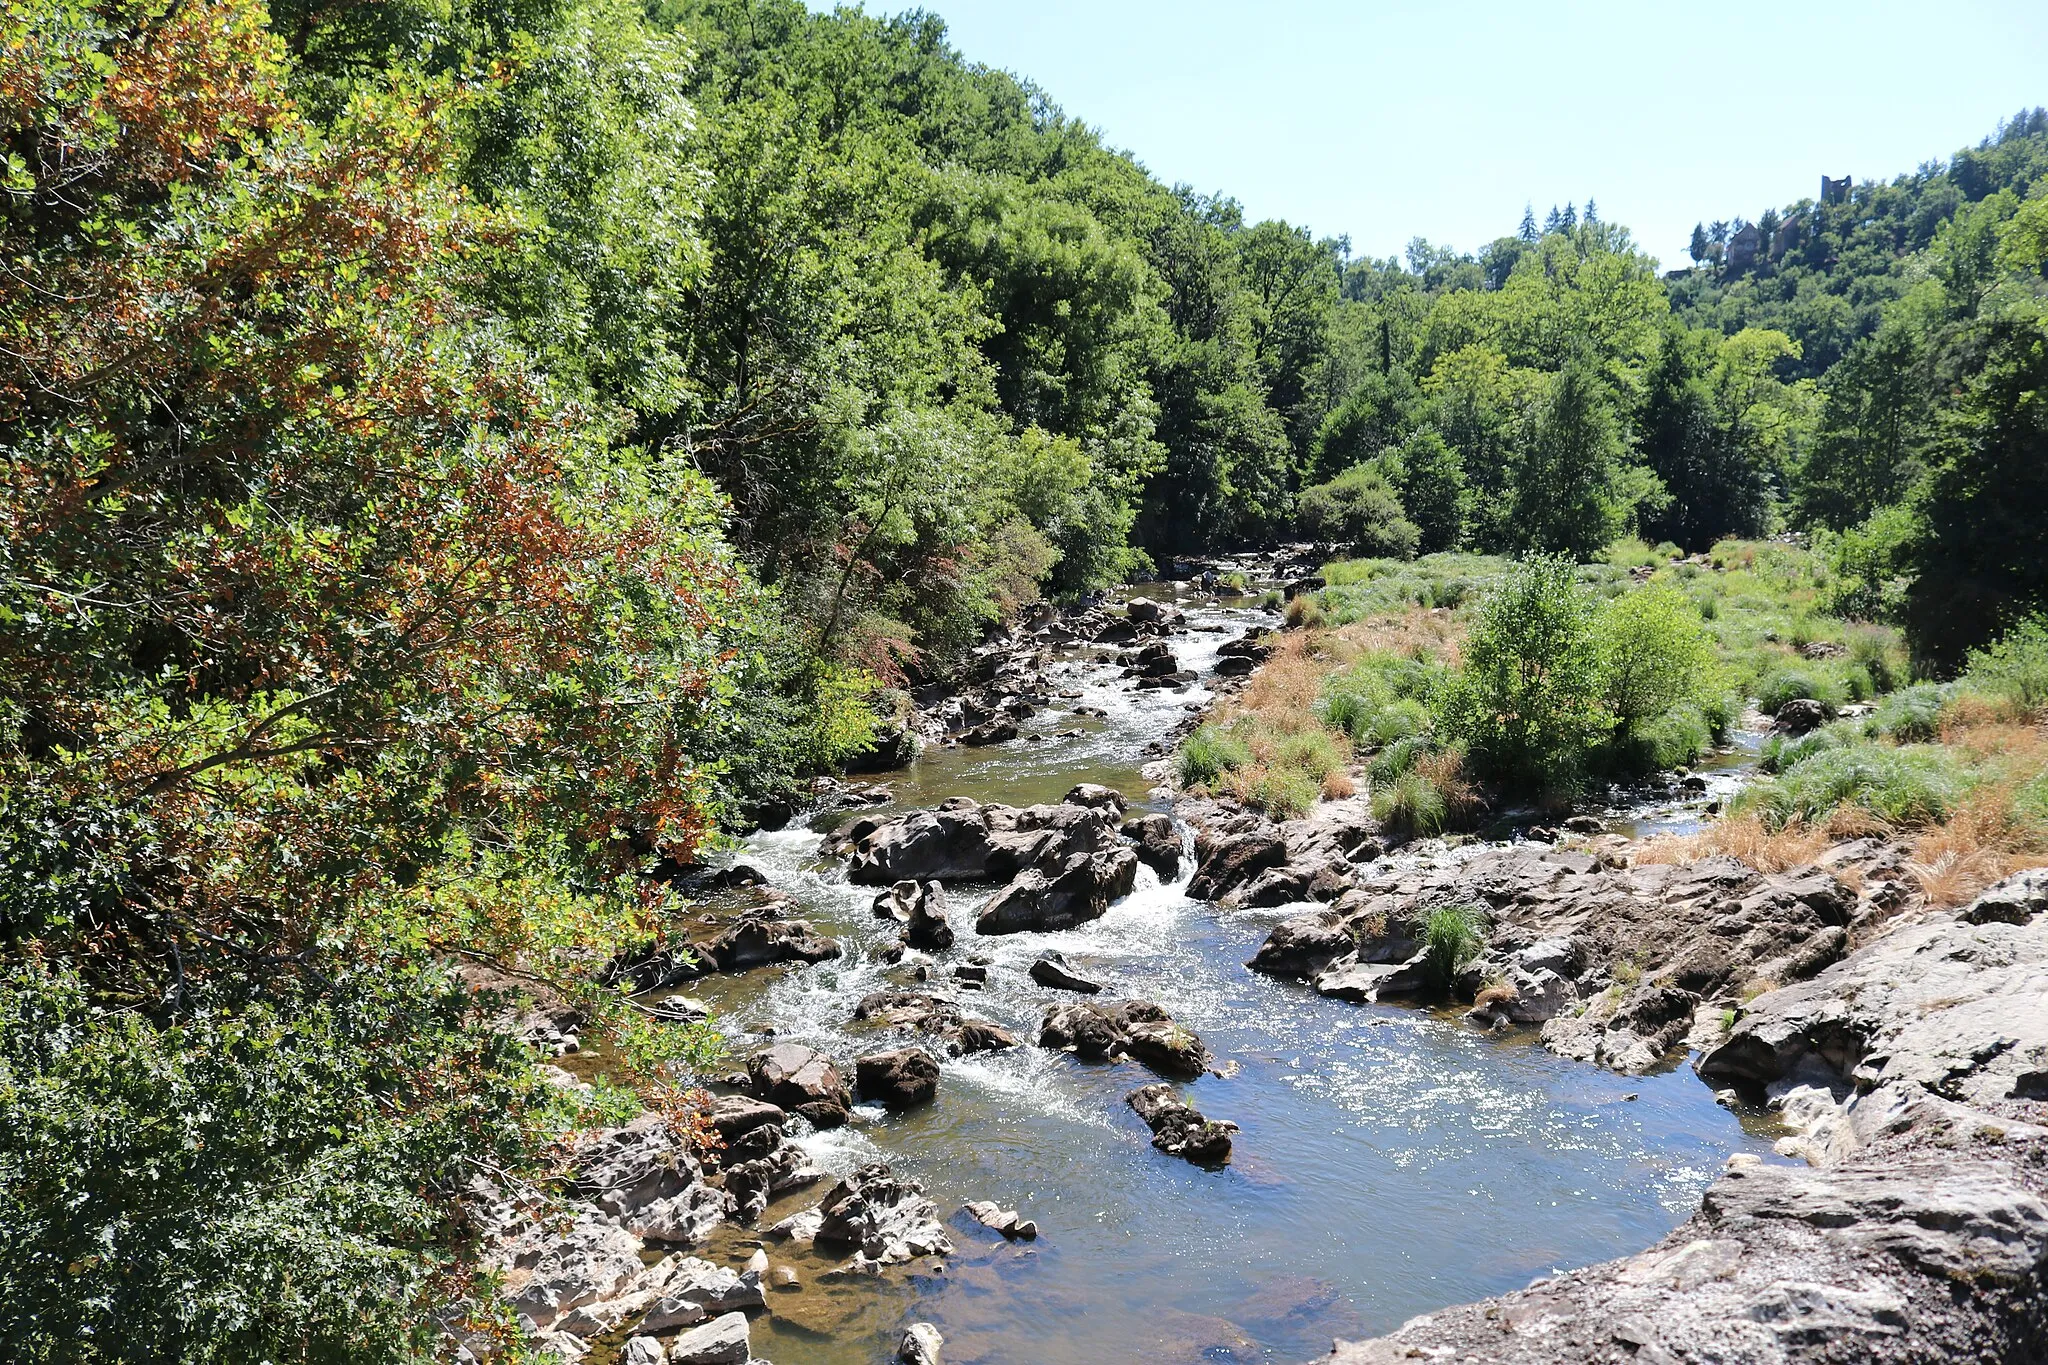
{"points": [[1392, 1160]]}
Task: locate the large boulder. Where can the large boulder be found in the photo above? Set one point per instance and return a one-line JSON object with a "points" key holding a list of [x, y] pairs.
{"points": [[1080, 891], [1138, 1029], [884, 1218], [763, 940], [801, 1080], [899, 1079], [963, 841], [1224, 864], [695, 1290], [722, 1341]]}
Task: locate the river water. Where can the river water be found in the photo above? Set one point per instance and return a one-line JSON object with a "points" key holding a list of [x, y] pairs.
{"points": [[1391, 1159]]}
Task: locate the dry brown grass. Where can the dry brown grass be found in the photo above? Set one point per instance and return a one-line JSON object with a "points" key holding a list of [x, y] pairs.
{"points": [[1338, 785], [1445, 770], [1289, 682], [1745, 837], [1420, 632], [1981, 844], [1494, 995]]}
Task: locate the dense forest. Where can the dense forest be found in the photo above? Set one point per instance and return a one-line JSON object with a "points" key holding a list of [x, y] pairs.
{"points": [[460, 456]]}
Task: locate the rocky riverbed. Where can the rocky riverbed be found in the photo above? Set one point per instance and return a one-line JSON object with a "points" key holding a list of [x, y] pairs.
{"points": [[1040, 1062]]}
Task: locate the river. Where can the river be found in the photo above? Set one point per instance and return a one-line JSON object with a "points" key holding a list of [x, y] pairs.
{"points": [[1392, 1159]]}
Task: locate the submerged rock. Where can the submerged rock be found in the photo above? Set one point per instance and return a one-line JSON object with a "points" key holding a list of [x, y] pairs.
{"points": [[936, 1016]]}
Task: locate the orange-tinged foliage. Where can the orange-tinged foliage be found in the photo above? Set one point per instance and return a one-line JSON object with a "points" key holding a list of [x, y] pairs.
{"points": [[301, 578]]}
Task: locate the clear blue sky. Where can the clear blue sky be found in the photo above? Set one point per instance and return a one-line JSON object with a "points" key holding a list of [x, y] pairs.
{"points": [[1385, 121]]}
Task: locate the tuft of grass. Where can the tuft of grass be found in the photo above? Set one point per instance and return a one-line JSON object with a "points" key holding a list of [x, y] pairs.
{"points": [[1410, 806], [1912, 786], [1315, 753], [1209, 753], [1451, 938], [1286, 793], [1912, 716], [1305, 613]]}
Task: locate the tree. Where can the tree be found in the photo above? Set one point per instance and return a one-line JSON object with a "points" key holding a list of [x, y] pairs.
{"points": [[1528, 699], [1573, 490], [1698, 249], [1527, 232], [1430, 479], [1876, 421], [1982, 553], [1654, 655]]}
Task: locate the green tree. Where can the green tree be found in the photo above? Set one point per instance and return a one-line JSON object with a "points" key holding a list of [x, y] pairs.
{"points": [[1574, 491], [1654, 654], [1982, 555], [1528, 699], [1430, 479]]}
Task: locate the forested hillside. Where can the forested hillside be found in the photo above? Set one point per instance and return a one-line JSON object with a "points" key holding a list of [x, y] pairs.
{"points": [[459, 457]]}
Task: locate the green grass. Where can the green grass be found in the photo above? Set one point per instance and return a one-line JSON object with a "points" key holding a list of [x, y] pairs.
{"points": [[1209, 753], [1451, 938], [1914, 785], [1314, 753], [1409, 806], [1287, 793]]}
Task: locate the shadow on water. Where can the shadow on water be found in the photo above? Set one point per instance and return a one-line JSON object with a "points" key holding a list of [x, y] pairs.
{"points": [[1391, 1160]]}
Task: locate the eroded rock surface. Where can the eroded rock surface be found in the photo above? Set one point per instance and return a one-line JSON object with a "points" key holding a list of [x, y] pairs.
{"points": [[1178, 1128], [1618, 964], [1920, 1234], [1137, 1029]]}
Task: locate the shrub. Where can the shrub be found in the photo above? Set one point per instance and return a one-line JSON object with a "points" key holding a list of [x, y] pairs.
{"points": [[1679, 735], [1359, 509], [1528, 699], [1287, 793], [2015, 668], [1209, 753], [1654, 654], [1451, 938]]}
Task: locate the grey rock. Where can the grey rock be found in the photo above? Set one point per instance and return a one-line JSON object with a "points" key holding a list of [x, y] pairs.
{"points": [[899, 1079], [722, 1341], [801, 1080], [882, 1216], [921, 1345], [1051, 970]]}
